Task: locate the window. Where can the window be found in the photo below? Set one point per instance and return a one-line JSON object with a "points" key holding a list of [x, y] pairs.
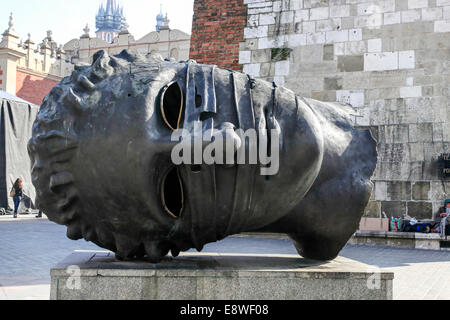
{"points": [[174, 53]]}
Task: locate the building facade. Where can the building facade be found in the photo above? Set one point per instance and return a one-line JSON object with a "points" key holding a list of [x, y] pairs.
{"points": [[168, 43], [389, 59], [29, 70], [112, 36]]}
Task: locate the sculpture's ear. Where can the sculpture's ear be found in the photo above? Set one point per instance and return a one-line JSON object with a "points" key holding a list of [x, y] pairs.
{"points": [[99, 55], [126, 55], [172, 105]]}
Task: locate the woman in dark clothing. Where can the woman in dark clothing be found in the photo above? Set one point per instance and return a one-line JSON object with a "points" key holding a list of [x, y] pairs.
{"points": [[17, 194]]}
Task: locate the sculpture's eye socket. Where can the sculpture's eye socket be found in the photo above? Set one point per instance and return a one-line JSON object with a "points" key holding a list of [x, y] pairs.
{"points": [[172, 106], [172, 194]]}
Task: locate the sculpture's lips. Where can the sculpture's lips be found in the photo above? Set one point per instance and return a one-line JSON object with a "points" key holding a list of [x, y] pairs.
{"points": [[188, 194], [199, 183]]}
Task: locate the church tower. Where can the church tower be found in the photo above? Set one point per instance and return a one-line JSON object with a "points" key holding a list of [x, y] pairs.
{"points": [[110, 21], [162, 22]]}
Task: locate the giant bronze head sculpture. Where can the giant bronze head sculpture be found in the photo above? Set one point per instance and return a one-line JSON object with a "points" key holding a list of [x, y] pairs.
{"points": [[102, 160]]}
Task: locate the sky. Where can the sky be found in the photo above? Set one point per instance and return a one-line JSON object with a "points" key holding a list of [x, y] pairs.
{"points": [[67, 19]]}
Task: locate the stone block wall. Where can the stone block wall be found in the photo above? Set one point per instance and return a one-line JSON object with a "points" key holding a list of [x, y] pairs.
{"points": [[217, 28], [390, 59]]}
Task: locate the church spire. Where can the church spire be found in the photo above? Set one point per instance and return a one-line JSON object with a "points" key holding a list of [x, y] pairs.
{"points": [[110, 20], [110, 7], [162, 22]]}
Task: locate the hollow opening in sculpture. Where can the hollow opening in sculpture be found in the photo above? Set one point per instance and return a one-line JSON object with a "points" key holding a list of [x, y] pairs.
{"points": [[198, 99], [172, 194], [172, 106]]}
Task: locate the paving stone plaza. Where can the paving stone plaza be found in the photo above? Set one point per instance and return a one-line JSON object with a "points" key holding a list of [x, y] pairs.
{"points": [[30, 247]]}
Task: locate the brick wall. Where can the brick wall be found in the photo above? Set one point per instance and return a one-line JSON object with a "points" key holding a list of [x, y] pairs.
{"points": [[217, 29], [390, 59], [33, 88]]}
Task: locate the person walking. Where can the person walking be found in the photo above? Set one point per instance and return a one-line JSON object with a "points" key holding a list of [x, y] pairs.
{"points": [[445, 222], [17, 195]]}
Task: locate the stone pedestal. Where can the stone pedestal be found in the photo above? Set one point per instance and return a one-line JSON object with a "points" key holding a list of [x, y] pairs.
{"points": [[411, 240], [194, 276]]}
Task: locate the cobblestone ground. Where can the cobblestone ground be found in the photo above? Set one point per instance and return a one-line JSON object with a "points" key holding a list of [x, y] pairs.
{"points": [[29, 248]]}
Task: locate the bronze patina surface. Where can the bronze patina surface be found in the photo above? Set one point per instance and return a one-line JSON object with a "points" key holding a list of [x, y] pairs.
{"points": [[101, 160]]}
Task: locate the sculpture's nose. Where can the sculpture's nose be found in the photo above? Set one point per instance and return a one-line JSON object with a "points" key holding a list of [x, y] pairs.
{"points": [[211, 146], [228, 141]]}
